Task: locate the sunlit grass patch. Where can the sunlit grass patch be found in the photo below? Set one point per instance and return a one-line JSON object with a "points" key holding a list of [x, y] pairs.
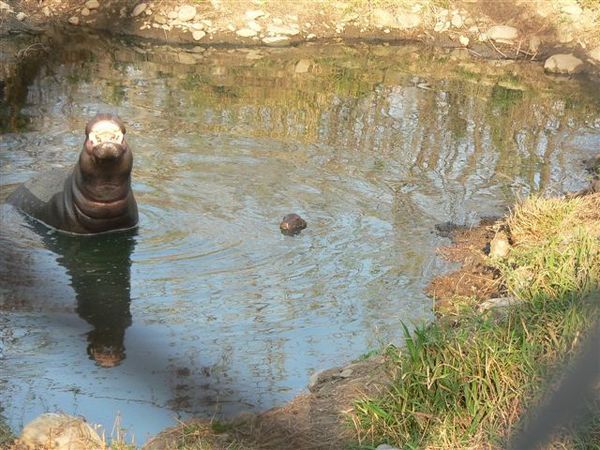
{"points": [[466, 383]]}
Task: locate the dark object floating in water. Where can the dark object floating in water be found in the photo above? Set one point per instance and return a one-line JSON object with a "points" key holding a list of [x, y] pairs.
{"points": [[92, 197], [292, 224]]}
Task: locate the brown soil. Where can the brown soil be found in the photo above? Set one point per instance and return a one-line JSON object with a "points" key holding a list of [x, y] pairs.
{"points": [[476, 279], [544, 27], [316, 420]]}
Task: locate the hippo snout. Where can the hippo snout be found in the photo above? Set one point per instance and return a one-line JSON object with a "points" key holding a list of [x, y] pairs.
{"points": [[108, 151], [292, 224]]}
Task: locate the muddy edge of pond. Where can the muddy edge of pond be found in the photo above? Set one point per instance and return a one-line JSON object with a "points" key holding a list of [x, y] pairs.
{"points": [[564, 34]]}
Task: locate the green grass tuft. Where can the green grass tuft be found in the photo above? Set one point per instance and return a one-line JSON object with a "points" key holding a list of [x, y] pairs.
{"points": [[465, 385]]}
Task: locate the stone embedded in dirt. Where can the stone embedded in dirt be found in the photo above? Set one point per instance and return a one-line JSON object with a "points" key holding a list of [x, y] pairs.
{"points": [[313, 381], [563, 64], [572, 10], [74, 20], [302, 66], [499, 246], [92, 4], [172, 15], [160, 20], [186, 13], [5, 7], [499, 302], [282, 30], [21, 16], [594, 54], [565, 35], [197, 26], [382, 18], [139, 9], [246, 32], [276, 41], [407, 21], [534, 43], [350, 17], [253, 25], [60, 432], [346, 373], [198, 34], [457, 21], [464, 40], [46, 11], [254, 14], [85, 12], [502, 33], [441, 26]]}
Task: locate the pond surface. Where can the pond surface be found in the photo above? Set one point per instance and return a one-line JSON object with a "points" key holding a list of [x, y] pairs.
{"points": [[207, 309]]}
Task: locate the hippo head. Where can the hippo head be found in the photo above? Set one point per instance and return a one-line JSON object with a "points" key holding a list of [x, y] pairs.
{"points": [[105, 141], [106, 160]]}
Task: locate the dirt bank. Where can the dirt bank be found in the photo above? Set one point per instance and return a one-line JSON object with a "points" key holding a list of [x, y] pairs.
{"points": [[515, 29]]}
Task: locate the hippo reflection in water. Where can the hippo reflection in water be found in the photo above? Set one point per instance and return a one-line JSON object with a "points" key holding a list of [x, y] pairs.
{"points": [[90, 202]]}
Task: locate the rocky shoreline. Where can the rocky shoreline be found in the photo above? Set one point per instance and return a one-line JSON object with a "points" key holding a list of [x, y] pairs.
{"points": [[565, 34]]}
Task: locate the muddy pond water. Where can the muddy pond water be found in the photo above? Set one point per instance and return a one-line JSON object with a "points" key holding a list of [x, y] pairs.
{"points": [[207, 309]]}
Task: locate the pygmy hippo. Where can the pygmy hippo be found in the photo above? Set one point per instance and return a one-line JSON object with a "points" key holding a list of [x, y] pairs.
{"points": [[92, 197]]}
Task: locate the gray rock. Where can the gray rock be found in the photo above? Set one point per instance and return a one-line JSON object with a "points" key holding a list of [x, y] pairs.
{"points": [[441, 26], [573, 10], [346, 373], [457, 21], [246, 32], [198, 34], [92, 4], [21, 16], [139, 9], [254, 14], [499, 246], [408, 20], [253, 25], [565, 35], [302, 66], [500, 302], [382, 18], [563, 64], [282, 30], [386, 447], [502, 33], [350, 17], [534, 43], [186, 13], [5, 7], [313, 381], [61, 431], [276, 41], [595, 54]]}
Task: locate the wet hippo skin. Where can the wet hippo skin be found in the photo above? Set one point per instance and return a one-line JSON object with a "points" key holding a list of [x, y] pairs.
{"points": [[92, 197], [292, 224]]}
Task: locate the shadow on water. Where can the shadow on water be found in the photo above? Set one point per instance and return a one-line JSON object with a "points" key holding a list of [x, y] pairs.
{"points": [[99, 268]]}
